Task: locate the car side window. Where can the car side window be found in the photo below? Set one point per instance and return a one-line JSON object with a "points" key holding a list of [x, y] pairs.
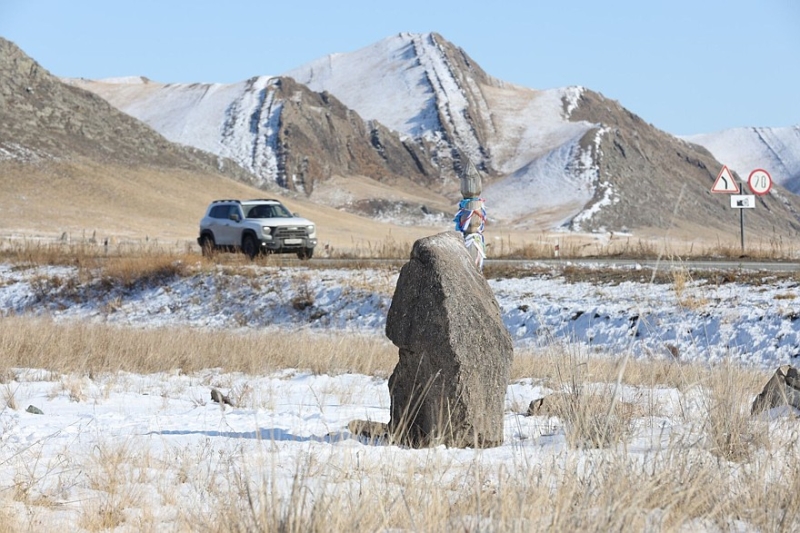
{"points": [[219, 211]]}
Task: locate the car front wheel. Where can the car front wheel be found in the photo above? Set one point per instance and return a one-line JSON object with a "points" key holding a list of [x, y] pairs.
{"points": [[249, 246], [305, 253]]}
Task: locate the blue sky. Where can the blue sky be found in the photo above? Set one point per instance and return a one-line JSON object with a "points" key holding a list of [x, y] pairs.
{"points": [[686, 66]]}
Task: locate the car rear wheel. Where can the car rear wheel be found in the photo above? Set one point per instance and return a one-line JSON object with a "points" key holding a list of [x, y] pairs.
{"points": [[207, 245]]}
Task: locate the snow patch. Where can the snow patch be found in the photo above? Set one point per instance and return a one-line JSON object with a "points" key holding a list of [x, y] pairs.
{"points": [[572, 96], [565, 176]]}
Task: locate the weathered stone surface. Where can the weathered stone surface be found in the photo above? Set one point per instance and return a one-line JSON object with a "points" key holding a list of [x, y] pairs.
{"points": [[783, 388], [455, 353]]}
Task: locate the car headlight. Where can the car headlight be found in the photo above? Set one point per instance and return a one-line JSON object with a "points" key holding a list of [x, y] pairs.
{"points": [[310, 229], [266, 230]]}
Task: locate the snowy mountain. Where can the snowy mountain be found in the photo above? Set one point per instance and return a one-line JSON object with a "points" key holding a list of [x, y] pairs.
{"points": [[413, 108], [426, 88], [776, 150]]}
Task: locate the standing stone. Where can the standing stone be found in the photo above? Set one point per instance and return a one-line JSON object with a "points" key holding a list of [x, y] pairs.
{"points": [[450, 383]]}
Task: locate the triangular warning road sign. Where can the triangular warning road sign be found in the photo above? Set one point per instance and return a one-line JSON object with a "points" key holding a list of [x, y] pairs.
{"points": [[725, 182]]}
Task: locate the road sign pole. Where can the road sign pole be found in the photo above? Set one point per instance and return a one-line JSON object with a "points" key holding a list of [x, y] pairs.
{"points": [[760, 183], [741, 227]]}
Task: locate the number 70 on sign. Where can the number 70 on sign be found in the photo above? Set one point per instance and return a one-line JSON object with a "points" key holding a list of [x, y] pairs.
{"points": [[760, 182]]}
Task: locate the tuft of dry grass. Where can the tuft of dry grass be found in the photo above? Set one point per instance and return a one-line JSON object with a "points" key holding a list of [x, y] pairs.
{"points": [[131, 271], [9, 396], [731, 432], [681, 283], [108, 472], [548, 365]]}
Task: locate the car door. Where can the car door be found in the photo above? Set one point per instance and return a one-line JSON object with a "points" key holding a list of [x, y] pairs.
{"points": [[231, 229], [225, 230]]}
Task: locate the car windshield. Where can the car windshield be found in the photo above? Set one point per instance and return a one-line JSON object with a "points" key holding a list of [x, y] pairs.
{"points": [[268, 211]]}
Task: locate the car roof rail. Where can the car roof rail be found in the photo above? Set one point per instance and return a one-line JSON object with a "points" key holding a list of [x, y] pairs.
{"points": [[229, 200], [262, 200]]}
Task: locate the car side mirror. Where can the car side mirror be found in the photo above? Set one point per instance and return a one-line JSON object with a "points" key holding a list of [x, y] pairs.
{"points": [[234, 217], [296, 215]]}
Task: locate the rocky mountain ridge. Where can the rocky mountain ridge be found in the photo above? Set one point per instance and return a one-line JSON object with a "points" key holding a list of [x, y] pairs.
{"points": [[46, 120], [271, 127]]}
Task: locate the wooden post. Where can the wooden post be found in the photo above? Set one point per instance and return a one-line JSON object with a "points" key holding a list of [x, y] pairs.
{"points": [[471, 215]]}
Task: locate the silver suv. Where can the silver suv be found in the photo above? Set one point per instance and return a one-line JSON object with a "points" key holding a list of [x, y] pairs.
{"points": [[254, 227]]}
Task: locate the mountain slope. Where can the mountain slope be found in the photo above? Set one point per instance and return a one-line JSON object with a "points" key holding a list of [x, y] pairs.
{"points": [[427, 88], [656, 180], [558, 158], [777, 150], [44, 119], [279, 130], [70, 162], [419, 85]]}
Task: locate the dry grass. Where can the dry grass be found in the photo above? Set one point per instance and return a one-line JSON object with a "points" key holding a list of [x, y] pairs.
{"points": [[546, 246], [101, 348], [108, 470], [131, 264], [731, 432], [590, 403], [92, 349], [687, 484], [89, 252], [80, 347], [675, 491], [682, 280], [394, 244], [562, 364]]}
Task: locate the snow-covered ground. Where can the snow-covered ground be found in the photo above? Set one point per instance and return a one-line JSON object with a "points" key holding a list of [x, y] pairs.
{"points": [[157, 450], [700, 320]]}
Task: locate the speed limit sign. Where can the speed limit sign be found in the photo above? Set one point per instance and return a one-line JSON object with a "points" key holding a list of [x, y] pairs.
{"points": [[760, 182]]}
